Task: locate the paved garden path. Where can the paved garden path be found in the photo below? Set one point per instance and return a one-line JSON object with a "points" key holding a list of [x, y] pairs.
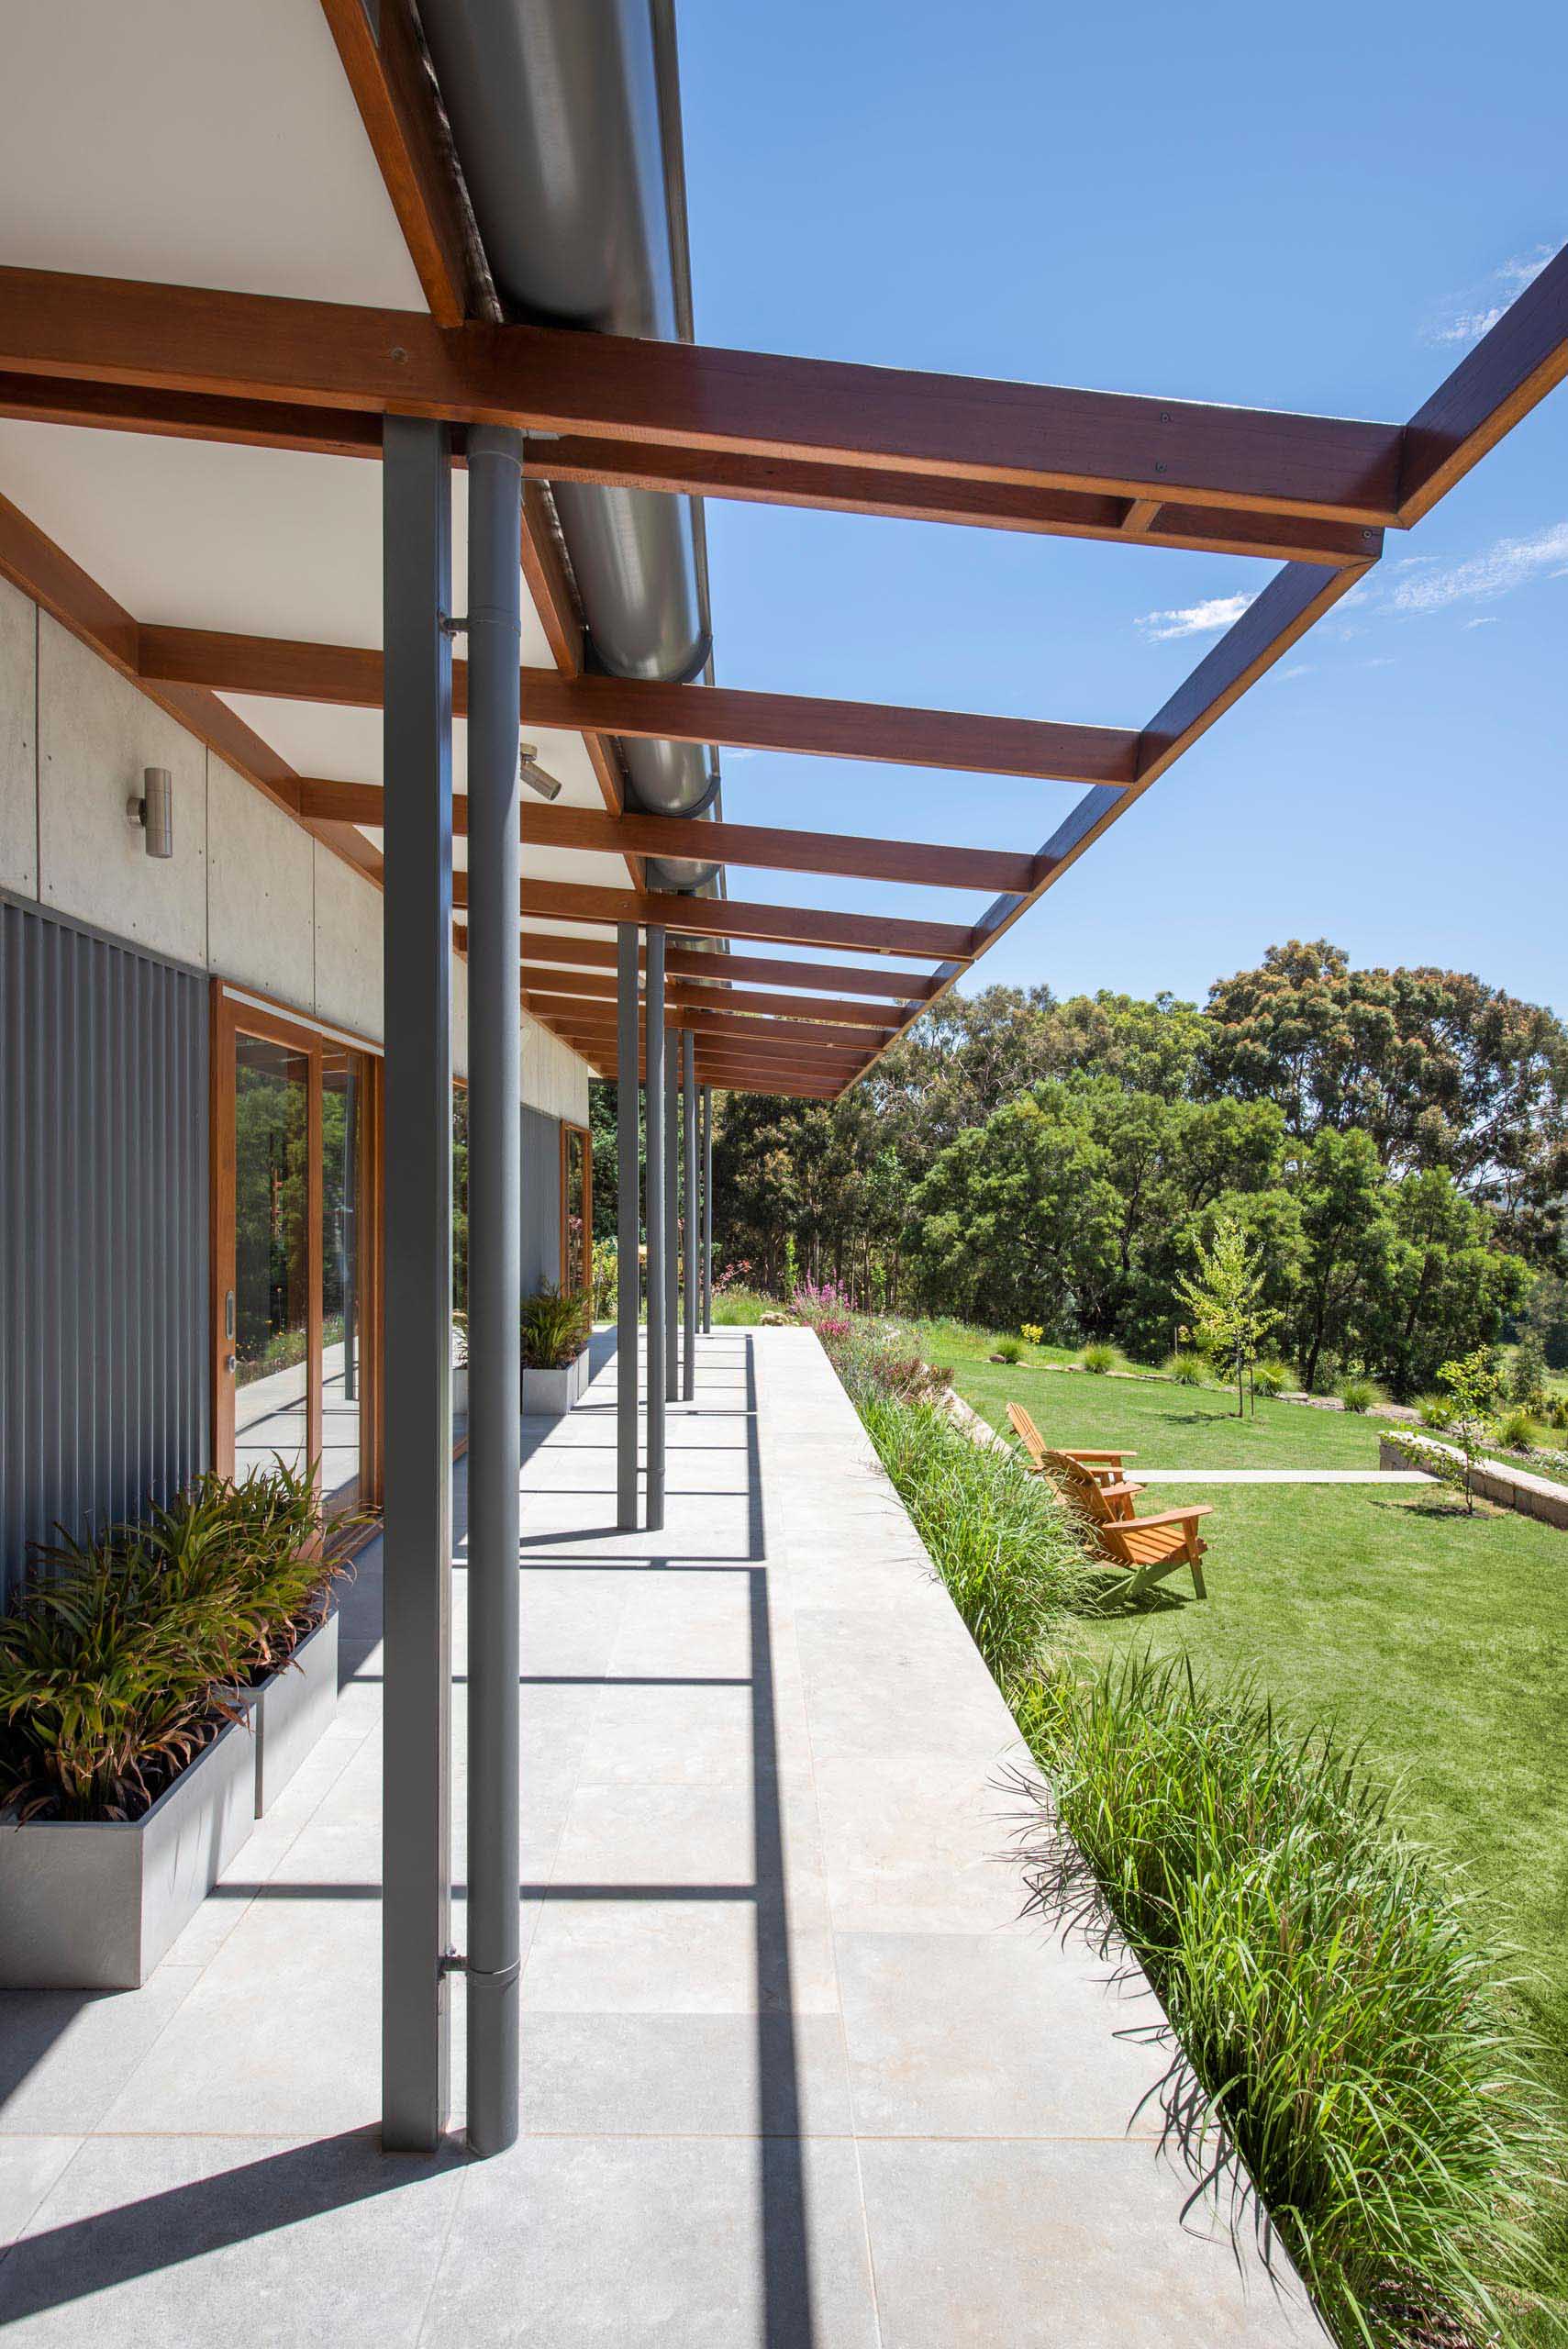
{"points": [[795, 2076], [1142, 1475]]}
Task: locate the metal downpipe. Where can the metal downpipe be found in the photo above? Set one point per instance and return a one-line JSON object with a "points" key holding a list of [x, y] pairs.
{"points": [[689, 1125], [656, 1201], [495, 1256], [627, 1225], [672, 1215]]}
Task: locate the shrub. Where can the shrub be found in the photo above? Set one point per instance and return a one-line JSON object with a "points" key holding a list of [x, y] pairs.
{"points": [[1273, 1377], [1032, 1332], [1099, 1359], [1526, 1379], [1435, 1411], [119, 1656], [1317, 1974], [556, 1326], [1359, 1394], [1009, 1350], [1187, 1368], [606, 1267], [1012, 1562], [1557, 1411], [816, 1302], [1516, 1431]]}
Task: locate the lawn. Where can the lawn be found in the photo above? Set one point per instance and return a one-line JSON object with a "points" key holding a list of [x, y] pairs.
{"points": [[1439, 1642], [1167, 1426]]}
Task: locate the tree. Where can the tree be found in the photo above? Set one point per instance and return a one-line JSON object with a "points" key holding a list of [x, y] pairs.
{"points": [[1345, 1227], [1475, 1390], [1225, 1298]]}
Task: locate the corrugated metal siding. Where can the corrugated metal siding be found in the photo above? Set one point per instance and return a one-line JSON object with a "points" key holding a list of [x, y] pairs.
{"points": [[103, 1230], [541, 1199]]}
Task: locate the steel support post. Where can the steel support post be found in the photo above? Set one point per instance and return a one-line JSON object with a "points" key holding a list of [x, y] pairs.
{"points": [[660, 1150], [689, 1251], [416, 1550], [671, 1214], [707, 1210], [495, 1282], [628, 1222]]}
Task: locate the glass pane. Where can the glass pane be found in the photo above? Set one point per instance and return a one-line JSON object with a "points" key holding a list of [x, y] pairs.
{"points": [[342, 1284], [576, 1163], [271, 1254]]}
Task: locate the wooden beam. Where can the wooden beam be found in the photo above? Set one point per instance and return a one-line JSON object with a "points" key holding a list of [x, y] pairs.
{"points": [[696, 963], [320, 354], [748, 479], [726, 917], [393, 94], [744, 1034], [689, 994], [1141, 517], [763, 847], [348, 675], [1513, 366]]}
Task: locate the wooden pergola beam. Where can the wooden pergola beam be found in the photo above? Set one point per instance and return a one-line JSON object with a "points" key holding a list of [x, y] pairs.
{"points": [[747, 480], [320, 354], [1513, 366], [728, 917], [900, 987], [351, 676], [763, 847], [745, 1034], [690, 995]]}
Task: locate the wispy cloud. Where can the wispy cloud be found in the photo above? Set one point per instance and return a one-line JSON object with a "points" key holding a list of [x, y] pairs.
{"points": [[1488, 620], [1298, 669], [1485, 304], [1512, 563], [1194, 620]]}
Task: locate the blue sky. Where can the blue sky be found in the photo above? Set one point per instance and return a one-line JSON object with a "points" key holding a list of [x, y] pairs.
{"points": [[1292, 210]]}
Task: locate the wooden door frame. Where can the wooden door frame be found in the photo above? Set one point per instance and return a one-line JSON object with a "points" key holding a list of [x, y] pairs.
{"points": [[567, 1129], [234, 1010]]}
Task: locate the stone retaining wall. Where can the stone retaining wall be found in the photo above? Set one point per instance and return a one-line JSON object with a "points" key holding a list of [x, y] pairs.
{"points": [[1505, 1487]]}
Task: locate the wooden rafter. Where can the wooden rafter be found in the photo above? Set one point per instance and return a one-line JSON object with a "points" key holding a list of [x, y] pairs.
{"points": [[688, 994], [350, 675], [900, 987], [320, 354], [726, 917]]}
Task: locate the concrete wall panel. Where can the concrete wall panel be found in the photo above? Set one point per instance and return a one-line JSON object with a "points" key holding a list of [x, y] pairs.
{"points": [[261, 891], [97, 733], [347, 945], [18, 743]]}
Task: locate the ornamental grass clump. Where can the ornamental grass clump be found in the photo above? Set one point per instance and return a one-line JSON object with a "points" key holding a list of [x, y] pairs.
{"points": [[556, 1326], [121, 1658], [1013, 1563], [1317, 1970]]}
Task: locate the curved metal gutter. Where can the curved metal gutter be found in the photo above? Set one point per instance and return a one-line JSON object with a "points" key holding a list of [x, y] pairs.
{"points": [[565, 119]]}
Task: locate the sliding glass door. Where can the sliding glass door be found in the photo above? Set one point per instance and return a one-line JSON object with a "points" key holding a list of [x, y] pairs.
{"points": [[295, 1159]]}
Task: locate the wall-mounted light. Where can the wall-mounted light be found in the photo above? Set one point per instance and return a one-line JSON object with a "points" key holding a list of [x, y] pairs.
{"points": [[154, 811], [530, 771]]}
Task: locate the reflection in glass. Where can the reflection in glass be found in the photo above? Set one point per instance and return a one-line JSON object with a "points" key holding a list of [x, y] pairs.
{"points": [[271, 1254], [573, 1268], [342, 1286]]}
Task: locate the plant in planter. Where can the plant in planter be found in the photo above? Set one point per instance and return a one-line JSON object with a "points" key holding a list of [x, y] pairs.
{"points": [[557, 1325], [128, 1665]]}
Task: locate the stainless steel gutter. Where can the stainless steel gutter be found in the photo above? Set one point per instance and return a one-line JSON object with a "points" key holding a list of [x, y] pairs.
{"points": [[566, 123]]}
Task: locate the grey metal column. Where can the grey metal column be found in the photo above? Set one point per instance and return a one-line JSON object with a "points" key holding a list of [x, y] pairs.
{"points": [[416, 1550], [689, 1129], [707, 1210], [671, 1214], [628, 1226], [657, 1197], [494, 1281]]}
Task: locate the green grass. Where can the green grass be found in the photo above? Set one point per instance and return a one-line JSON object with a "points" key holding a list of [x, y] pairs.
{"points": [[1168, 1427]]}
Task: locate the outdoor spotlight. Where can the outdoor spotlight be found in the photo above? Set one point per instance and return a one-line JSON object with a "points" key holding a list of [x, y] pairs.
{"points": [[530, 771], [154, 811]]}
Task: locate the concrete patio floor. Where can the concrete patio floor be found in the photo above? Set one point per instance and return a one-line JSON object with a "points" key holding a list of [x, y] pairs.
{"points": [[795, 2074]]}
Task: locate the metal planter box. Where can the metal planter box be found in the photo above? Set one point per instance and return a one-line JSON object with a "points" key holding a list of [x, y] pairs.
{"points": [[94, 1904], [550, 1394], [293, 1709]]}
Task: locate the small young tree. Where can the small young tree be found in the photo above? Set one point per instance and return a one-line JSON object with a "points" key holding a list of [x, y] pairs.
{"points": [[1224, 1296], [1475, 1390]]}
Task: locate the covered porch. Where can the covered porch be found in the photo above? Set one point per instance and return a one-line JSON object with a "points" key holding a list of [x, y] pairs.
{"points": [[793, 2069]]}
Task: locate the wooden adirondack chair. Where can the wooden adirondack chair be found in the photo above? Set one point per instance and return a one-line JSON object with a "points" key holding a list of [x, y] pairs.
{"points": [[1104, 1466], [1148, 1548]]}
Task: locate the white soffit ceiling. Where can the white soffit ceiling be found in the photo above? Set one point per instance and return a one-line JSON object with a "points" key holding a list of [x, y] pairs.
{"points": [[195, 142]]}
